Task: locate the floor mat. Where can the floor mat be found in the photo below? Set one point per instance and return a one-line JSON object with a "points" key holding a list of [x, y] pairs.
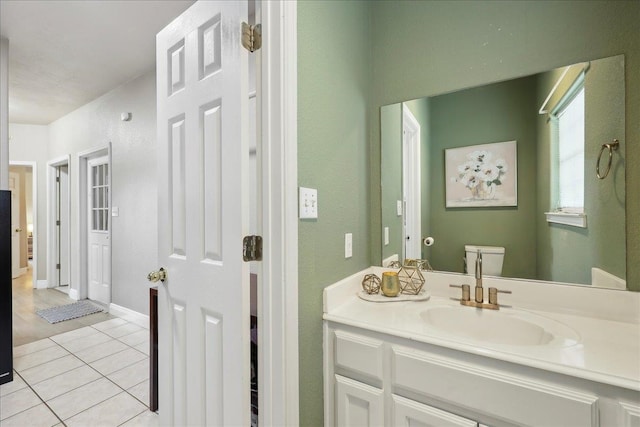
{"points": [[69, 311]]}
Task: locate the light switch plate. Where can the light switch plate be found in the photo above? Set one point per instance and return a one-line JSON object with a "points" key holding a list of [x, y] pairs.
{"points": [[348, 245], [386, 236], [308, 200], [399, 208], [115, 211]]}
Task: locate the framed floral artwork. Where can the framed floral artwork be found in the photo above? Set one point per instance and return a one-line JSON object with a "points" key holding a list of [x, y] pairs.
{"points": [[482, 175]]}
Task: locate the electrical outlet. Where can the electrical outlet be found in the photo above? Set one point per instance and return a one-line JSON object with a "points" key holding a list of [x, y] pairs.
{"points": [[386, 236], [308, 200], [348, 245]]}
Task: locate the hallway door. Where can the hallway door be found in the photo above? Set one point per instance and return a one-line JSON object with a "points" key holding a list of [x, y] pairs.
{"points": [[203, 214], [99, 245], [16, 231]]}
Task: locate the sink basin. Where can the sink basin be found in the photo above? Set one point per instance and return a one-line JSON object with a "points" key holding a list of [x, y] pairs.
{"points": [[507, 326]]}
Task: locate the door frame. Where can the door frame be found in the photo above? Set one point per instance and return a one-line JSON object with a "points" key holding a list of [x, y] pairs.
{"points": [[411, 223], [278, 279], [34, 210], [52, 247], [83, 218]]}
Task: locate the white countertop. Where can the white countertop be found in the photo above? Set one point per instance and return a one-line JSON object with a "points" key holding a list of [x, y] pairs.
{"points": [[606, 321]]}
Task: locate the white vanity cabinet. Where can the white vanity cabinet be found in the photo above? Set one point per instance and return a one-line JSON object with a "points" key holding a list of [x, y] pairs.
{"points": [[376, 379]]}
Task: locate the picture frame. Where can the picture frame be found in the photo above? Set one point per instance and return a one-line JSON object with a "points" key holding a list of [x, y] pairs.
{"points": [[482, 175]]}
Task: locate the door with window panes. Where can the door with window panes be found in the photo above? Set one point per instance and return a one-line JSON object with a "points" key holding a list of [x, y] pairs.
{"points": [[99, 245]]}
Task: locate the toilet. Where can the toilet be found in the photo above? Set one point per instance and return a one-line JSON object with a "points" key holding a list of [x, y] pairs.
{"points": [[492, 257]]}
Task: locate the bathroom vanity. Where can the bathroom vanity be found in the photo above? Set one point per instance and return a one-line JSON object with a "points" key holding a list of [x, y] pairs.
{"points": [[550, 356]]}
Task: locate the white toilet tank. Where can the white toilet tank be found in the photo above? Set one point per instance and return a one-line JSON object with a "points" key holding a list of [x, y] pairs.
{"points": [[492, 258]]}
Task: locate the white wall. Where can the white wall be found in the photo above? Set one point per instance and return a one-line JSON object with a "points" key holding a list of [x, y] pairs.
{"points": [[134, 181], [30, 143], [4, 113]]}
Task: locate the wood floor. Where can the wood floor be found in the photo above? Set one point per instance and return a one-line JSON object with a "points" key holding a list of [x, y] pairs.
{"points": [[28, 326]]}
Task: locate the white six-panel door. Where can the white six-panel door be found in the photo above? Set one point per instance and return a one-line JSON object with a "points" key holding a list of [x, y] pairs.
{"points": [[99, 246], [203, 306]]}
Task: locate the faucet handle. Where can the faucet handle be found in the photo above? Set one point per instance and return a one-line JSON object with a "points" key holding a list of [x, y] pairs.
{"points": [[466, 291], [493, 295]]}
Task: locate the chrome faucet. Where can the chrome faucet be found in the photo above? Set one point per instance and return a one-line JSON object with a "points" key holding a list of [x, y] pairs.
{"points": [[479, 289], [479, 299]]}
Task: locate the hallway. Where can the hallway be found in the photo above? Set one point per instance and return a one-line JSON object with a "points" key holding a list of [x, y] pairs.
{"points": [[88, 371], [28, 326]]}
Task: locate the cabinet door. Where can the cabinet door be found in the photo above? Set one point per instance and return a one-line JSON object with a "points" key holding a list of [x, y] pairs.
{"points": [[358, 404], [408, 413]]}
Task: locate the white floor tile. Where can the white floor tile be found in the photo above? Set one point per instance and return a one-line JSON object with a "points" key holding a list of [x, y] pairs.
{"points": [[102, 326], [131, 375], [142, 322], [38, 358], [32, 347], [72, 335], [145, 419], [112, 412], [38, 416], [76, 401], [115, 362], [143, 347], [85, 342], [99, 351], [135, 338], [16, 402], [140, 392], [63, 383], [15, 385], [50, 369], [122, 330]]}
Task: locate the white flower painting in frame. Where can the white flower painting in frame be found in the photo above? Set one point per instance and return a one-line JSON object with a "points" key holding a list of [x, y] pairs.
{"points": [[482, 175]]}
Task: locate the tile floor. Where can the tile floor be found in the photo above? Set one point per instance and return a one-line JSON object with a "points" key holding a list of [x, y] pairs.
{"points": [[97, 375]]}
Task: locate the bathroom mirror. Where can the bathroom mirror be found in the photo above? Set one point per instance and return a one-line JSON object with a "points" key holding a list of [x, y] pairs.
{"points": [[575, 241]]}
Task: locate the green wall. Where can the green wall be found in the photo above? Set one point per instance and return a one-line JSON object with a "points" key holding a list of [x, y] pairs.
{"points": [[334, 58], [492, 113]]}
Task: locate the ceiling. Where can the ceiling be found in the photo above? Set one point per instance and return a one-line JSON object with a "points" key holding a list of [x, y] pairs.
{"points": [[63, 54]]}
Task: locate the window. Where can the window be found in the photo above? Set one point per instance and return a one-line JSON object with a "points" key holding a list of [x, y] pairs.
{"points": [[100, 197], [570, 123], [567, 139]]}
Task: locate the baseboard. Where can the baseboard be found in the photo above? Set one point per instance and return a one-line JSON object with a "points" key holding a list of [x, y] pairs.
{"points": [[42, 284], [130, 315], [73, 294]]}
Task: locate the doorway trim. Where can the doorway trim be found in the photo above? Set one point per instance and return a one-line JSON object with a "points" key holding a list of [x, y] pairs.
{"points": [[278, 281], [411, 222], [51, 221], [34, 212], [83, 218]]}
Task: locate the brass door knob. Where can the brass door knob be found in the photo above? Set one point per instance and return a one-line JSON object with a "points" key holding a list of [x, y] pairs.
{"points": [[160, 275], [18, 230]]}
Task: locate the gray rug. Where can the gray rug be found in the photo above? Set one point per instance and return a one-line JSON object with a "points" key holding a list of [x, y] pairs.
{"points": [[69, 311]]}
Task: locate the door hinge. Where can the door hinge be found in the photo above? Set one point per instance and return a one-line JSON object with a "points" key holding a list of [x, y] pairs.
{"points": [[251, 37], [57, 179], [57, 266], [57, 222], [252, 248]]}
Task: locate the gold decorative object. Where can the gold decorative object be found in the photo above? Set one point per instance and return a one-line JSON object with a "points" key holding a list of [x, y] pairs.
{"points": [[421, 264], [371, 284], [394, 264], [411, 280], [390, 284]]}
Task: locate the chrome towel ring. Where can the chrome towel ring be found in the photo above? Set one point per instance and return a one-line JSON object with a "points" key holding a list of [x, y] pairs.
{"points": [[611, 147]]}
